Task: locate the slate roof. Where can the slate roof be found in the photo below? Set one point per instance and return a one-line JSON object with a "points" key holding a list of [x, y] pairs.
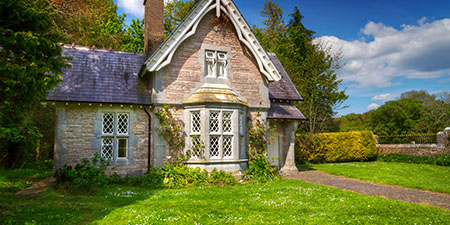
{"points": [[283, 89], [102, 76], [284, 111]]}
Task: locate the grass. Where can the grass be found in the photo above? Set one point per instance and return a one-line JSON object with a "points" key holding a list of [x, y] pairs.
{"points": [[17, 179], [283, 201], [419, 176]]}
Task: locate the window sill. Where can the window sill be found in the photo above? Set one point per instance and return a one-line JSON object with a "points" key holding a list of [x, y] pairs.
{"points": [[216, 161]]}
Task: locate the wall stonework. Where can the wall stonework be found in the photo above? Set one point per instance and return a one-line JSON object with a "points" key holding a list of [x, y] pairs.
{"points": [[185, 73], [412, 149], [442, 147], [76, 138]]}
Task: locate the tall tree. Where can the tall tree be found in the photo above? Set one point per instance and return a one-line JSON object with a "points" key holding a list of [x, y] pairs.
{"points": [[30, 64], [311, 67]]}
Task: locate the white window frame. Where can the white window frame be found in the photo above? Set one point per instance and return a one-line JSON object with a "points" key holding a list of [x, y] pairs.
{"points": [[115, 135], [235, 133], [219, 61]]}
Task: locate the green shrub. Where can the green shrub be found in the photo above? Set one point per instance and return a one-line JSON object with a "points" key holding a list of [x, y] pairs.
{"points": [[259, 169], [441, 160], [336, 147], [84, 177], [220, 178]]}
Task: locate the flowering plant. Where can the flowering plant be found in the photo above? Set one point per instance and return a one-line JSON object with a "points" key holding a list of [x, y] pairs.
{"points": [[171, 128]]}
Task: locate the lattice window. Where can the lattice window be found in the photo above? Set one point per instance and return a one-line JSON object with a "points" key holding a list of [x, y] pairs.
{"points": [[214, 147], [214, 121], [115, 130], [227, 146], [122, 123], [197, 150], [108, 123], [226, 121], [107, 148], [195, 122]]}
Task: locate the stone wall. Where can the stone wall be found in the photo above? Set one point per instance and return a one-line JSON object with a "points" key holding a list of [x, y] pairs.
{"points": [[186, 72], [441, 147], [78, 135]]}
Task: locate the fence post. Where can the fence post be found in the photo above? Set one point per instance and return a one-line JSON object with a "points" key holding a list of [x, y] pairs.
{"points": [[442, 138], [376, 138]]}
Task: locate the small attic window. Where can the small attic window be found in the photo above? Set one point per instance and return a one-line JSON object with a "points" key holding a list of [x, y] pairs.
{"points": [[216, 64]]}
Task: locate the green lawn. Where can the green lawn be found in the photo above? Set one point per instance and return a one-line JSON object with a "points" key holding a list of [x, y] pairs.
{"points": [[419, 176], [15, 180], [283, 201]]}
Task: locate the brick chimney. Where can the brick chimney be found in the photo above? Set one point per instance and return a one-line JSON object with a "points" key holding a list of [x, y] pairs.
{"points": [[154, 26]]}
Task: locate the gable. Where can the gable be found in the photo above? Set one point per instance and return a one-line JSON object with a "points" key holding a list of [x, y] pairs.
{"points": [[188, 27]]}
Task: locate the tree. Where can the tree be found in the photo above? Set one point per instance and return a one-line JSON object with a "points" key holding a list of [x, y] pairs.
{"points": [[396, 117], [134, 36], [30, 64], [422, 95], [174, 13], [311, 67], [90, 22]]}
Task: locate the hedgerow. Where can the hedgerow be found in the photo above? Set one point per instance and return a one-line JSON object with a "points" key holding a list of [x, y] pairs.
{"points": [[336, 147]]}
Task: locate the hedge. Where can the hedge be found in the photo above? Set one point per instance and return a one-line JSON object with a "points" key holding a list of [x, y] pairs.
{"points": [[336, 147]]}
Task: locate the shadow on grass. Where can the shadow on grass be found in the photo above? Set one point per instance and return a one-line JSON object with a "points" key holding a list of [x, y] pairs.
{"points": [[305, 167]]}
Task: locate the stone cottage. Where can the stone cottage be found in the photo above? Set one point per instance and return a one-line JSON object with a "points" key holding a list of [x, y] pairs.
{"points": [[212, 67]]}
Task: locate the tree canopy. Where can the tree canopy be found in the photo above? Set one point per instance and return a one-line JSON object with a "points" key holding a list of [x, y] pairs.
{"points": [[311, 67], [30, 65]]}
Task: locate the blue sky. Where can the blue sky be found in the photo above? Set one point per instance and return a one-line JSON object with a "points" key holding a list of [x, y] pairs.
{"points": [[388, 47]]}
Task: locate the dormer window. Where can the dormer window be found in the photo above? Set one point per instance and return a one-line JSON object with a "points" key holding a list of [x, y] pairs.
{"points": [[216, 64]]}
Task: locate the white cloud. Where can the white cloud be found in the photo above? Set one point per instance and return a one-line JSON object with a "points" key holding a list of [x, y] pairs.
{"points": [[372, 106], [414, 51], [383, 97], [133, 7]]}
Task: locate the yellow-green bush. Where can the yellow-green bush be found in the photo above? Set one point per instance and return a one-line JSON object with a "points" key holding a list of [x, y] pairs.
{"points": [[336, 147]]}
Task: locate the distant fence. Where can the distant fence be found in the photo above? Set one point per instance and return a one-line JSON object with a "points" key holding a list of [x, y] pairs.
{"points": [[415, 144], [428, 138]]}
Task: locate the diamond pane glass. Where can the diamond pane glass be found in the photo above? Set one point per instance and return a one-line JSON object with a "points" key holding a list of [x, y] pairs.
{"points": [[214, 122], [214, 146], [195, 122], [108, 123], [107, 148], [227, 145], [226, 121], [122, 123], [196, 149]]}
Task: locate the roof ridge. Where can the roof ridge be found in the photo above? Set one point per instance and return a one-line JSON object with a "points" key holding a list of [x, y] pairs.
{"points": [[95, 49]]}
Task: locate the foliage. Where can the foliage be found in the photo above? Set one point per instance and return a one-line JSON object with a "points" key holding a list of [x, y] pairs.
{"points": [[90, 22], [134, 36], [171, 128], [30, 64], [89, 176], [396, 117], [419, 176], [336, 147], [427, 138], [440, 160], [311, 66], [353, 122], [414, 112], [283, 201], [259, 168], [174, 13]]}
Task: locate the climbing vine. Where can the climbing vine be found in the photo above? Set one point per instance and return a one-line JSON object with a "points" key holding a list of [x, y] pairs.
{"points": [[171, 128], [259, 168]]}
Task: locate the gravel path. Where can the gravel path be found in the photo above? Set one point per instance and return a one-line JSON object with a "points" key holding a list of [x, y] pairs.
{"points": [[440, 200]]}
